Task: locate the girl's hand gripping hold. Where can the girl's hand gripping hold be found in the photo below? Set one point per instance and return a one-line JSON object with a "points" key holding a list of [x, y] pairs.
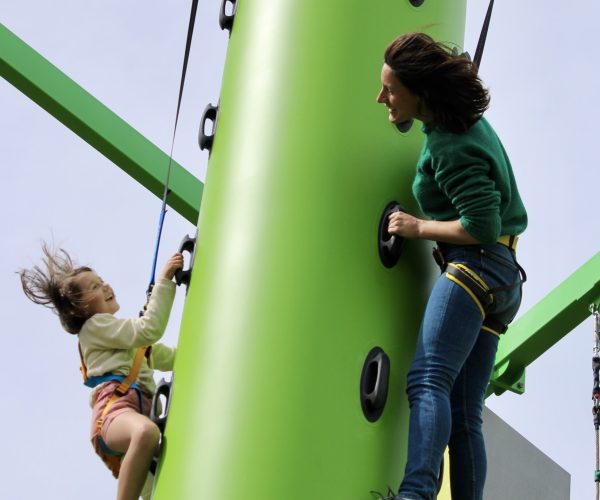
{"points": [[175, 262]]}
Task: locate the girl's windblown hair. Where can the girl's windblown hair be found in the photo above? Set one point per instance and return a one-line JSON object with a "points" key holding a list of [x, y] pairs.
{"points": [[53, 286]]}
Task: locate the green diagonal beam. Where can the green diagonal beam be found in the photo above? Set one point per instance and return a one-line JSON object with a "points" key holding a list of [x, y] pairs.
{"points": [[544, 325], [64, 99]]}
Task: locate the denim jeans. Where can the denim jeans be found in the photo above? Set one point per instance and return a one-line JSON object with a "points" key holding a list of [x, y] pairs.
{"points": [[449, 375]]}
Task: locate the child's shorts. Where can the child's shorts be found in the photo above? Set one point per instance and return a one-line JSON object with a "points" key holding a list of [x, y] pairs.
{"points": [[135, 400]]}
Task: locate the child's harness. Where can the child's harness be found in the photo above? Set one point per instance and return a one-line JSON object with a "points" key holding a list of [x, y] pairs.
{"points": [[126, 383]]}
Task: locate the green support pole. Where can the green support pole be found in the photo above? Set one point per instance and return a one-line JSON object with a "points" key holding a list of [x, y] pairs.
{"points": [[288, 295], [64, 99], [544, 325]]}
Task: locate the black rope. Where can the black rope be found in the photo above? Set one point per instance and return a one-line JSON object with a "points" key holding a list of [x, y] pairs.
{"points": [[166, 191], [482, 37]]}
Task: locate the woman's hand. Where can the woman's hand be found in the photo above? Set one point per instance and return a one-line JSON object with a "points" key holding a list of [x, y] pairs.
{"points": [[408, 226], [405, 225], [175, 262]]}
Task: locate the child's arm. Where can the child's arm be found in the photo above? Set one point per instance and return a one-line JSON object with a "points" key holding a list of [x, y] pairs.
{"points": [[163, 357], [106, 331]]}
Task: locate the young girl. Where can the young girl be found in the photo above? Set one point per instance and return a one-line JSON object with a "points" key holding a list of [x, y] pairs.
{"points": [[111, 349]]}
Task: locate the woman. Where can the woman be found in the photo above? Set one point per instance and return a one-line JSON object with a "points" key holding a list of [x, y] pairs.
{"points": [[465, 186]]}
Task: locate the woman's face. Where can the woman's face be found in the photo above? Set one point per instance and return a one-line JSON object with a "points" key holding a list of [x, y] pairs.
{"points": [[401, 103]]}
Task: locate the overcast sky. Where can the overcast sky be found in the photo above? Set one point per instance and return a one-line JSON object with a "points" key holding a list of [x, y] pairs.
{"points": [[540, 64]]}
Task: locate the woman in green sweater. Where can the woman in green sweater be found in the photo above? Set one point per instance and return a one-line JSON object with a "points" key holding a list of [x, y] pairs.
{"points": [[466, 188]]}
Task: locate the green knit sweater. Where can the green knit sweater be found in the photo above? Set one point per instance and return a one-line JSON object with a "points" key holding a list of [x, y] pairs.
{"points": [[469, 177]]}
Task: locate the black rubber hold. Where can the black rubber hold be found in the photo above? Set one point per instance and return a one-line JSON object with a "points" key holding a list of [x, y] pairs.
{"points": [[210, 113], [153, 466], [160, 419], [390, 246], [226, 20], [374, 383], [183, 276], [417, 3]]}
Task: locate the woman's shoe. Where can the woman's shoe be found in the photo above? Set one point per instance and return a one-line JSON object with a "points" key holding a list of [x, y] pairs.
{"points": [[389, 496]]}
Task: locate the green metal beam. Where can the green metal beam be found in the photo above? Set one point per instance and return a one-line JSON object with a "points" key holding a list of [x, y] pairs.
{"points": [[64, 99], [544, 325]]}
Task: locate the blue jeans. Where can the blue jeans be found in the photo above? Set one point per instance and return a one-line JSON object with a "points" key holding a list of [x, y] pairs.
{"points": [[449, 375]]}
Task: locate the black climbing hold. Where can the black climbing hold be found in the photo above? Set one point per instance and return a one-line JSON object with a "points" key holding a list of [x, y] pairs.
{"points": [[225, 19], [205, 140], [183, 276], [374, 383], [390, 246]]}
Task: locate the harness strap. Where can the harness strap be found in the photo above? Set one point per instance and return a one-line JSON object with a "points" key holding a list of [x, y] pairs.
{"points": [[492, 325], [124, 386], [133, 372], [82, 368], [480, 292], [471, 283], [509, 240], [97, 380]]}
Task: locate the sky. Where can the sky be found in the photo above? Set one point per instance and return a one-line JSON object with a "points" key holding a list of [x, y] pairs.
{"points": [[539, 65]]}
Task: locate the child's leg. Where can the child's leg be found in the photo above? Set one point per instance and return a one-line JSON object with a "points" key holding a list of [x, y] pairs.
{"points": [[137, 436], [147, 490]]}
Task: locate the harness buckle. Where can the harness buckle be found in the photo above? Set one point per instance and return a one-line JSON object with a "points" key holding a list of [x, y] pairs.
{"points": [[122, 389]]}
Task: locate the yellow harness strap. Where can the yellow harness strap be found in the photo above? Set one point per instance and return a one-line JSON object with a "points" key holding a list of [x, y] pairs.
{"points": [[477, 287], [478, 290], [509, 240], [124, 386]]}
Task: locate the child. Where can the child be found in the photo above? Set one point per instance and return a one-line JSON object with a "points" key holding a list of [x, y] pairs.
{"points": [[111, 349]]}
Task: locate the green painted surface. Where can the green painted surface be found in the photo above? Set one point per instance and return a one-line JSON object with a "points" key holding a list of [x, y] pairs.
{"points": [[288, 294], [64, 99], [544, 325]]}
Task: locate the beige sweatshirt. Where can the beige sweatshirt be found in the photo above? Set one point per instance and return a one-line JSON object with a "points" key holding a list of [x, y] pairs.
{"points": [[109, 344]]}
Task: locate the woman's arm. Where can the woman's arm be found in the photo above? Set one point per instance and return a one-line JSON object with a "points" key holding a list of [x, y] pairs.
{"points": [[409, 226]]}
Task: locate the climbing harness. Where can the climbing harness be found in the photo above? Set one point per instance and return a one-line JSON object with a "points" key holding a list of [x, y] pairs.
{"points": [[477, 288], [126, 382], [472, 284], [596, 392], [482, 37], [166, 190]]}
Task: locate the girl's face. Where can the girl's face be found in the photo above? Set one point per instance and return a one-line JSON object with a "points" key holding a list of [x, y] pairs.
{"points": [[98, 297], [401, 103]]}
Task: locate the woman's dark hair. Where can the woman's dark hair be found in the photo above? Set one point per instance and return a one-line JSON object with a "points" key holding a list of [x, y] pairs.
{"points": [[55, 288], [446, 82]]}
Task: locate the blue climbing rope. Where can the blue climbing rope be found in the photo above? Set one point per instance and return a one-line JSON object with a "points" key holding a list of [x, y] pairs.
{"points": [[166, 191]]}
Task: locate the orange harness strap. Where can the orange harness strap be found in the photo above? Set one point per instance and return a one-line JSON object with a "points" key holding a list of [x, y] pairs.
{"points": [[124, 386], [82, 368]]}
